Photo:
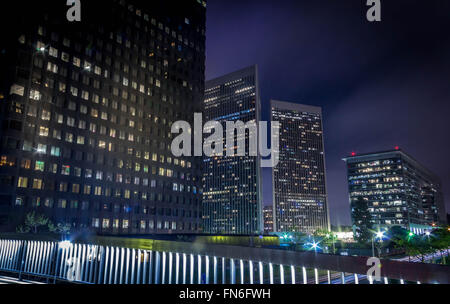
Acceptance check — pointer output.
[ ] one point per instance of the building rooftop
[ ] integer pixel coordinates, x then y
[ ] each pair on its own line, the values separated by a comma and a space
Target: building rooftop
397, 151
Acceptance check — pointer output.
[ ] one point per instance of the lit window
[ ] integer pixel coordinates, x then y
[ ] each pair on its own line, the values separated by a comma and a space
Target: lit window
41, 149
43, 131
105, 223
39, 166
76, 61
95, 222
65, 170
37, 184
22, 182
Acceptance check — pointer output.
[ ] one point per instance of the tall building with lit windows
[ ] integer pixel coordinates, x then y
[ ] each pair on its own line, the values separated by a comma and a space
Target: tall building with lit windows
300, 202
398, 189
231, 185
268, 219
86, 110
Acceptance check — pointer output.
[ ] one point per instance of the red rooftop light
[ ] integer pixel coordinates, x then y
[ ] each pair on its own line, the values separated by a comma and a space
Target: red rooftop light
397, 148
353, 153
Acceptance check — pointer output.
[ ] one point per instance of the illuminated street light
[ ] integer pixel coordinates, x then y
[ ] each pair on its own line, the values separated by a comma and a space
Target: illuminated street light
380, 235
314, 246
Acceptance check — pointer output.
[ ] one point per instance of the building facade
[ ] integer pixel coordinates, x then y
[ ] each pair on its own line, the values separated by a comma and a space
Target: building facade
398, 189
268, 219
231, 185
86, 112
299, 181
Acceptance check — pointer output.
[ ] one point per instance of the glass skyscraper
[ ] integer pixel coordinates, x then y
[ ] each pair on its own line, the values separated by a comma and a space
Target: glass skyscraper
86, 111
398, 189
231, 185
299, 181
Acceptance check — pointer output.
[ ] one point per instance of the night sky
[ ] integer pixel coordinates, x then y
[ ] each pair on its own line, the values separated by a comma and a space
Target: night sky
381, 85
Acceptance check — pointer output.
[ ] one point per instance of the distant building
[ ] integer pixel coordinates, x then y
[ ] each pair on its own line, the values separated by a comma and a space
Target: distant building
299, 180
268, 219
231, 185
398, 189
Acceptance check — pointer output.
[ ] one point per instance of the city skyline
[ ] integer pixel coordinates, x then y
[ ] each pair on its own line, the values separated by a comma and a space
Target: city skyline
380, 85
135, 147
393, 126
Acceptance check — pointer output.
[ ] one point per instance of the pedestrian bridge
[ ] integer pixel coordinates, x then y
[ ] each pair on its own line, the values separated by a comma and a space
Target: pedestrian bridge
106, 260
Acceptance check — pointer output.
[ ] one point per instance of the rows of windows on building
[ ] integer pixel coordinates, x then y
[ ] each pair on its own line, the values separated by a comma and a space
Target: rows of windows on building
299, 182
268, 219
231, 198
397, 189
97, 123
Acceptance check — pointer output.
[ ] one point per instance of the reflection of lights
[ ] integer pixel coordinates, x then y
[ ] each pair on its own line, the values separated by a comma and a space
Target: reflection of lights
65, 245
428, 233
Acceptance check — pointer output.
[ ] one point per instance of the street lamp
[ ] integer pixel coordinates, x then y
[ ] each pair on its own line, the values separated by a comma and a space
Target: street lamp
314, 246
378, 235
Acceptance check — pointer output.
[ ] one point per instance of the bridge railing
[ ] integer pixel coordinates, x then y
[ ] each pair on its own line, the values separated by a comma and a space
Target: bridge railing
160, 262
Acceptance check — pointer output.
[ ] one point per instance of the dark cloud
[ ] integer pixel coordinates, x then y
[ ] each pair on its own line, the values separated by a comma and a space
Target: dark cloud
380, 85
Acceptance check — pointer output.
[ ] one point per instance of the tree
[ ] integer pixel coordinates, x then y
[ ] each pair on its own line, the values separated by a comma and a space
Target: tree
59, 228
415, 245
33, 222
362, 220
440, 241
329, 239
23, 229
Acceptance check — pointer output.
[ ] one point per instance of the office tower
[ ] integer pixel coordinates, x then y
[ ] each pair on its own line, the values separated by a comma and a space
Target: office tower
231, 185
299, 181
268, 219
86, 113
399, 191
